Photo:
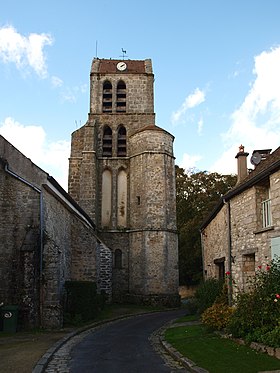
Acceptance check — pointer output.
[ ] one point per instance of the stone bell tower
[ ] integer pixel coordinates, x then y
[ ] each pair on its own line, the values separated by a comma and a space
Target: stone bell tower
122, 173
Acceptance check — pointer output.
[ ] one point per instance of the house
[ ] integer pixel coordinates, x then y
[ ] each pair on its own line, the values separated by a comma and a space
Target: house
242, 234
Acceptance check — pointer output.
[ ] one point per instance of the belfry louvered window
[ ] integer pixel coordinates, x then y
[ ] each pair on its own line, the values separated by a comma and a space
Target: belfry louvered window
121, 97
107, 142
107, 97
122, 142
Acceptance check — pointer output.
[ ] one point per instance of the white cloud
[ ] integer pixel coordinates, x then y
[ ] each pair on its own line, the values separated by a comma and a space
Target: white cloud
31, 140
24, 51
56, 81
256, 123
189, 161
200, 126
71, 94
194, 99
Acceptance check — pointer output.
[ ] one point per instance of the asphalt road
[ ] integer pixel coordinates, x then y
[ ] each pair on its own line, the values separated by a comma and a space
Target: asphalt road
123, 347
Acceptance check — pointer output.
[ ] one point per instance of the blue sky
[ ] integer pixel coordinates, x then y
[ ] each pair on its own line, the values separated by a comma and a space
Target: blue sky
216, 66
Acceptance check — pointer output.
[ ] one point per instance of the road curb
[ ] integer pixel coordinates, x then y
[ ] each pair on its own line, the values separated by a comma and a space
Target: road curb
187, 363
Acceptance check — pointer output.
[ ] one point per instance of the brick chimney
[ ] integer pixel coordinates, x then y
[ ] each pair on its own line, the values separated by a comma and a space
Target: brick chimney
242, 170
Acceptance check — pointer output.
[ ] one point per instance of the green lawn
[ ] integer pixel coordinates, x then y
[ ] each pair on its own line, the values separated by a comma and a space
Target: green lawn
216, 354
187, 318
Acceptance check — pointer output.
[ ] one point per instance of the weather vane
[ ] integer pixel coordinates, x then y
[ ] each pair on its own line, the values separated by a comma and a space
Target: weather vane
123, 54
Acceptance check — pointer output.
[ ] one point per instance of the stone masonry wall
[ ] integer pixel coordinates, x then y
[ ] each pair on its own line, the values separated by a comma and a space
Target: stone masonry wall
215, 243
153, 245
71, 252
68, 246
139, 91
19, 247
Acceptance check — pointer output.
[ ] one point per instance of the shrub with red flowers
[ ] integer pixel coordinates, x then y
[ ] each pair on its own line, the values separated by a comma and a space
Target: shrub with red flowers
257, 314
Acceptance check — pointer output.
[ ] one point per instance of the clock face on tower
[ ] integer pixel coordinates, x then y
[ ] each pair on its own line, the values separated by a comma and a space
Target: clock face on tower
121, 66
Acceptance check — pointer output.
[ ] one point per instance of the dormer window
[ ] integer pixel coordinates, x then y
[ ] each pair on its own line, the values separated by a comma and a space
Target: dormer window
122, 142
107, 97
121, 97
107, 142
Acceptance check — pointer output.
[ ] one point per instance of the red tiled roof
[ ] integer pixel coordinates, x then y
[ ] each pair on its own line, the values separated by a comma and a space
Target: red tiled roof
110, 66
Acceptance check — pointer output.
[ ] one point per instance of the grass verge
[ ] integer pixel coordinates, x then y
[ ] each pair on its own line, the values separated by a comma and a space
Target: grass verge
216, 354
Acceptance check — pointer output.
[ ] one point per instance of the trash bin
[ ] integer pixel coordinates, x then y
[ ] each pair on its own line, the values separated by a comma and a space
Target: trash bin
9, 317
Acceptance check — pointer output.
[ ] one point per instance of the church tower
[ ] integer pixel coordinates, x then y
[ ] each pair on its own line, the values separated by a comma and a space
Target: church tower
122, 173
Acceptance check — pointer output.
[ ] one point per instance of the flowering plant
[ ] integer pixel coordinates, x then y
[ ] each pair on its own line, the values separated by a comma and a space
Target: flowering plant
258, 312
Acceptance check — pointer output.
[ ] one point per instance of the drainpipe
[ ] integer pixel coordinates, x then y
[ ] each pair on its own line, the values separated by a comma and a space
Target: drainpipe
202, 251
229, 252
12, 173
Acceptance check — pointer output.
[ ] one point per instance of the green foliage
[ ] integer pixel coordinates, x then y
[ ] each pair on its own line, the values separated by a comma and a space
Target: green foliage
257, 314
197, 193
272, 338
82, 303
207, 293
265, 336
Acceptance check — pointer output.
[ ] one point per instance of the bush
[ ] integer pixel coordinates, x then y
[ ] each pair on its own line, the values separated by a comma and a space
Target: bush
265, 336
207, 292
82, 303
217, 316
257, 313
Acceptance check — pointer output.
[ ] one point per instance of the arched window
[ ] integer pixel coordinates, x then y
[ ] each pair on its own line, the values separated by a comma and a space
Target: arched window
122, 142
107, 142
121, 97
106, 209
107, 97
122, 199
118, 259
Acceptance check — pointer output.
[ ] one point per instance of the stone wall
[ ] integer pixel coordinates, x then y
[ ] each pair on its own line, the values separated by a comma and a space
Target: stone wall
46, 239
139, 88
215, 243
19, 246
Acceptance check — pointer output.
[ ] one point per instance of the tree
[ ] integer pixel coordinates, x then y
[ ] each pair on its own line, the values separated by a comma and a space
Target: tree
197, 193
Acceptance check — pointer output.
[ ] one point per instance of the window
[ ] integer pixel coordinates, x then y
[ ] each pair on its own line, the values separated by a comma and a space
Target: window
118, 259
121, 97
122, 199
106, 208
220, 268
266, 213
121, 142
263, 211
275, 248
107, 142
107, 97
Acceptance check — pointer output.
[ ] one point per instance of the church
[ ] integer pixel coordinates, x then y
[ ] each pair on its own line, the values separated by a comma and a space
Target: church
122, 173
115, 227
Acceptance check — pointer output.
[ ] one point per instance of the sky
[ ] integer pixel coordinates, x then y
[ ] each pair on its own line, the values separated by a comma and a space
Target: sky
216, 65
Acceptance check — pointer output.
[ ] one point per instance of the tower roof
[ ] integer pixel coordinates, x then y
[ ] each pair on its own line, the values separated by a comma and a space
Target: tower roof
108, 66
